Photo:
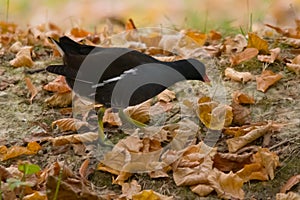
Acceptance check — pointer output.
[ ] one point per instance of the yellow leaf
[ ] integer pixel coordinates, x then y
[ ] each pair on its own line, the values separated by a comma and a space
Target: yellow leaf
198, 37
258, 43
146, 195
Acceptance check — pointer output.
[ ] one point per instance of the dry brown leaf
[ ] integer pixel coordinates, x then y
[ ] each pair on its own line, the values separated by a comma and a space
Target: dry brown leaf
241, 114
294, 180
258, 43
238, 76
111, 118
295, 65
236, 143
15, 47
245, 55
166, 58
227, 186
227, 162
270, 58
59, 99
266, 80
213, 115
288, 32
288, 196
23, 57
83, 170
33, 90
202, 189
15, 151
122, 177
236, 44
166, 96
129, 189
150, 195
242, 98
36, 195
74, 139
69, 124
194, 165
105, 168
58, 85
262, 167
214, 35
139, 112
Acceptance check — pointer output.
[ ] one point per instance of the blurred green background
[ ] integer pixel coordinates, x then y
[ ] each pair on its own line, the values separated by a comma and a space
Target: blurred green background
198, 14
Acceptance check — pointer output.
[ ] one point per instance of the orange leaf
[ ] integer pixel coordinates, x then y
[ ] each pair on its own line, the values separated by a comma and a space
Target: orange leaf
74, 139
258, 43
31, 88
60, 99
130, 25
58, 85
139, 112
245, 55
23, 58
198, 37
15, 151
78, 32
111, 118
267, 79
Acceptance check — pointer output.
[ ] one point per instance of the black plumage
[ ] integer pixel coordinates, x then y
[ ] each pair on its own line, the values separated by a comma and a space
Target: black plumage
120, 77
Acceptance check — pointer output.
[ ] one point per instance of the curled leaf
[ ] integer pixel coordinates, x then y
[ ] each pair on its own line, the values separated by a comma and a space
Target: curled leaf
238, 76
58, 85
74, 139
33, 90
59, 99
270, 58
69, 124
242, 98
23, 58
139, 112
266, 80
294, 180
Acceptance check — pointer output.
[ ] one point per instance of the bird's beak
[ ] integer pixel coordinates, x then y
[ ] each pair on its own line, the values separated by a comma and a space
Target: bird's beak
206, 79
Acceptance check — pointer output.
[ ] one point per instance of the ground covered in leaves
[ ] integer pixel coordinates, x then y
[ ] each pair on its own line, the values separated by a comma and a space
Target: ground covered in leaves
249, 115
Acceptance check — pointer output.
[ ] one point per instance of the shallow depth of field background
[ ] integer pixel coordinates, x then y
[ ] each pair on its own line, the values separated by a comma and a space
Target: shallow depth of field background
203, 14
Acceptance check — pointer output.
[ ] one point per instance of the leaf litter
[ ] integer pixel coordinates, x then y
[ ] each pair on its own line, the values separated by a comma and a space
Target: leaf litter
237, 158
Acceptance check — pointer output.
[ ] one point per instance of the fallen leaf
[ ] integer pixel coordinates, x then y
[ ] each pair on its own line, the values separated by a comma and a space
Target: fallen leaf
33, 90
150, 195
214, 35
83, 170
236, 143
245, 55
15, 151
58, 85
23, 57
79, 32
69, 124
270, 58
241, 114
213, 115
294, 180
288, 196
166, 96
290, 32
266, 80
295, 65
111, 118
238, 76
59, 99
227, 162
227, 186
236, 44
195, 36
262, 167
258, 43
202, 189
15, 47
130, 189
74, 139
36, 196
242, 98
139, 112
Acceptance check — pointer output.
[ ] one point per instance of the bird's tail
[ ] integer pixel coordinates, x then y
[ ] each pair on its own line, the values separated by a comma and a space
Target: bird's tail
57, 69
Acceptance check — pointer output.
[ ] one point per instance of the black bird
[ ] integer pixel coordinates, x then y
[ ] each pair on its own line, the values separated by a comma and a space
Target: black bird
120, 77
